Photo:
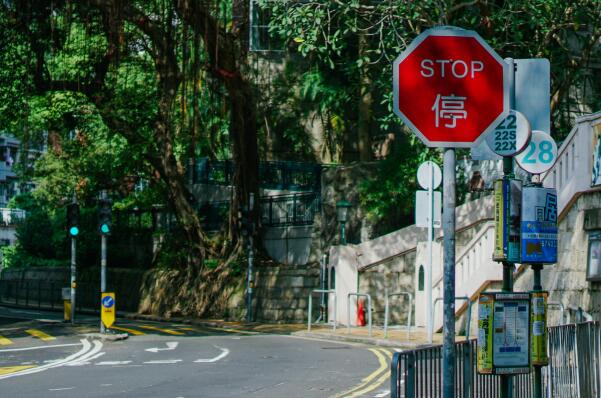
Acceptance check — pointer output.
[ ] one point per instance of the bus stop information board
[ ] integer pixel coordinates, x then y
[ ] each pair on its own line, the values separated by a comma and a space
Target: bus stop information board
504, 333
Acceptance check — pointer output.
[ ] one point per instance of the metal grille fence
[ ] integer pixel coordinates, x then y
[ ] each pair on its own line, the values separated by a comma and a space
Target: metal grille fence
574, 368
575, 360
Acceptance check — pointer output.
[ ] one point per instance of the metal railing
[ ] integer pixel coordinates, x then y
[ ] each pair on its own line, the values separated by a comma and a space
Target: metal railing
281, 175
9, 217
46, 294
387, 311
574, 368
295, 209
328, 292
418, 373
562, 312
469, 312
575, 360
348, 310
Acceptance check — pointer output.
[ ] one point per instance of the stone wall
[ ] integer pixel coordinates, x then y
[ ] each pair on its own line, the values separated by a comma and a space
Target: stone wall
392, 276
281, 293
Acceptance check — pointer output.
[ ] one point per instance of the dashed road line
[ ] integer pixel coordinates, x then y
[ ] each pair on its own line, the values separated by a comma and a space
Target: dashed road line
112, 363
163, 362
168, 331
5, 341
40, 335
128, 330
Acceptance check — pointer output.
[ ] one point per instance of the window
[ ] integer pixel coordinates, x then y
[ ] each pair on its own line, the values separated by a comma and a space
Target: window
593, 272
260, 38
420, 279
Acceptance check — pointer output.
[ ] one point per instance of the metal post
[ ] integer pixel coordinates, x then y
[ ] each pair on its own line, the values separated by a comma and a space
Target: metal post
102, 272
429, 265
506, 380
448, 225
538, 376
73, 276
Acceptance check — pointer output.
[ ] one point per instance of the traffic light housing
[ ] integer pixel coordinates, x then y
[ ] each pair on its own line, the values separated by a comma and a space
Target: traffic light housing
73, 219
104, 216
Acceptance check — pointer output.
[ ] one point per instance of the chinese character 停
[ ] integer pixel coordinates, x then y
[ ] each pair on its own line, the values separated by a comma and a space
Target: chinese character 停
449, 107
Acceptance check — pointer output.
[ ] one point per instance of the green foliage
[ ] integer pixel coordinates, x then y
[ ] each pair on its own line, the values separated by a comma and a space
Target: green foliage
389, 197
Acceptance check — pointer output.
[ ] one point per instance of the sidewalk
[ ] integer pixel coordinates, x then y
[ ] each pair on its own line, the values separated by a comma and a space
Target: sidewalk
397, 338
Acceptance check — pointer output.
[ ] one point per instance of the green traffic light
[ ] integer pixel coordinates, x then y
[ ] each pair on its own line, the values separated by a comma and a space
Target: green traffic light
74, 231
104, 228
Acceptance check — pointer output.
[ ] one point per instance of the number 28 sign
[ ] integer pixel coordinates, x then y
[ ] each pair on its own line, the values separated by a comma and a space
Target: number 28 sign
540, 154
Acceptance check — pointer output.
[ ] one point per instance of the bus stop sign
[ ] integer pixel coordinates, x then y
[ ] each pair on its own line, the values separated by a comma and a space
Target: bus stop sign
450, 87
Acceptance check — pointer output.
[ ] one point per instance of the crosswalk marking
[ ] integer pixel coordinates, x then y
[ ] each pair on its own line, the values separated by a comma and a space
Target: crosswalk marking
168, 331
128, 330
40, 335
4, 341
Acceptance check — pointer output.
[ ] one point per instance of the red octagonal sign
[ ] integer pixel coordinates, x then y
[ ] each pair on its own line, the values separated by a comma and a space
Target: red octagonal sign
450, 87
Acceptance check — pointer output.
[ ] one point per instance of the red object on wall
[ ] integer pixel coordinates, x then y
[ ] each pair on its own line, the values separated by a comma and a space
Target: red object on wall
360, 313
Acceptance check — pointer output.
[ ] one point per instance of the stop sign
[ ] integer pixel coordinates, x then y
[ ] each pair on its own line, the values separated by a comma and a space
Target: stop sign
450, 87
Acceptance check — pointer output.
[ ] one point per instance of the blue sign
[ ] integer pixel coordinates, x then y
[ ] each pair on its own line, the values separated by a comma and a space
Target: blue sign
539, 225
108, 301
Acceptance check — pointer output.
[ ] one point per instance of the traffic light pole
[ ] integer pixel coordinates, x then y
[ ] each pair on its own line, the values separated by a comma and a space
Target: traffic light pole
102, 272
73, 276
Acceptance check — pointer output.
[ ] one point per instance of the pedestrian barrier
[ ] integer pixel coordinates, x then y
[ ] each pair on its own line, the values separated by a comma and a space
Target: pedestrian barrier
575, 360
469, 312
348, 310
387, 311
574, 368
311, 305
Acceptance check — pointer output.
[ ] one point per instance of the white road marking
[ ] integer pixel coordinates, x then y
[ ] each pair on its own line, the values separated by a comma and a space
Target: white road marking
382, 394
224, 353
163, 362
39, 347
105, 385
171, 345
112, 363
92, 354
61, 389
74, 357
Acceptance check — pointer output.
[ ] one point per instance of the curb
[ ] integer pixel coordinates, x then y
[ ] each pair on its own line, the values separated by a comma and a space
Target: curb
363, 340
188, 321
107, 336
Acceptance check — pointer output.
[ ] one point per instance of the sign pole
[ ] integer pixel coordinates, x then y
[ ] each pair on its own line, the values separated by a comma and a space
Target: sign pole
448, 225
506, 380
102, 272
429, 265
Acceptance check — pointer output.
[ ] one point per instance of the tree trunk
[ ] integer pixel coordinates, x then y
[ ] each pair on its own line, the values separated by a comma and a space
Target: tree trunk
365, 105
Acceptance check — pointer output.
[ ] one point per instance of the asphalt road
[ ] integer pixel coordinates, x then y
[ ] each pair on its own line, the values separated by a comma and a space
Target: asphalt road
40, 357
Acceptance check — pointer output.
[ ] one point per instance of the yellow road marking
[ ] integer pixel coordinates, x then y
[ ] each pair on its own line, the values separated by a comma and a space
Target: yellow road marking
40, 335
232, 330
168, 331
4, 341
369, 388
4, 370
130, 331
365, 382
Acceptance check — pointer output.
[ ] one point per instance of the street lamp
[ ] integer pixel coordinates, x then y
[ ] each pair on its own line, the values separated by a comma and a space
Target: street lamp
342, 215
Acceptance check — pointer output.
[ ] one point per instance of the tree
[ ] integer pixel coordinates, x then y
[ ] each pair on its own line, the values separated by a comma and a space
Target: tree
93, 48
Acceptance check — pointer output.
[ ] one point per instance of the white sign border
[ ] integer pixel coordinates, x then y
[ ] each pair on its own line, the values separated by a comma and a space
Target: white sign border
449, 31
